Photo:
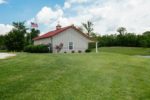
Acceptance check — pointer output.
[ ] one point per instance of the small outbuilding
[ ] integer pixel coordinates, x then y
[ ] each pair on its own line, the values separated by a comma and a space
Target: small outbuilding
64, 40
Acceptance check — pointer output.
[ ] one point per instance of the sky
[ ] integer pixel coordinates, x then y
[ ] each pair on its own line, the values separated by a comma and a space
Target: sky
106, 15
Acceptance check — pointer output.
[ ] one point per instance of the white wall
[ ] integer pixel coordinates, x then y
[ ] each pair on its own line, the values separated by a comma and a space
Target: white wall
42, 41
80, 42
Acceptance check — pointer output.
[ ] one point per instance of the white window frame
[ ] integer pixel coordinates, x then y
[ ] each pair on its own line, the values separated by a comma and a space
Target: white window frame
72, 46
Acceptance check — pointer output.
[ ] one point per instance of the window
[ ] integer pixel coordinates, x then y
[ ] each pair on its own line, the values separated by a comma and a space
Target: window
70, 45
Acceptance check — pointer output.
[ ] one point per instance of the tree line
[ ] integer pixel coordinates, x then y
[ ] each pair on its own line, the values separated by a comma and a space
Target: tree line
21, 36
125, 39
18, 37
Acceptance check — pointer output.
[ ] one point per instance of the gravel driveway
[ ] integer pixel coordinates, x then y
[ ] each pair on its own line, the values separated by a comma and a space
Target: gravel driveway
6, 55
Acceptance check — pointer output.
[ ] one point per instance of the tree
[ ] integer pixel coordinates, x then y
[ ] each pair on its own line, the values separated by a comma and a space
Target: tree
94, 35
89, 27
130, 40
121, 30
147, 33
145, 39
2, 45
108, 40
15, 39
31, 35
125, 39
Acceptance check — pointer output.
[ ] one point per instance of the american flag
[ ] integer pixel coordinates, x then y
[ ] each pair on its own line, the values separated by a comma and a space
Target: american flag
34, 25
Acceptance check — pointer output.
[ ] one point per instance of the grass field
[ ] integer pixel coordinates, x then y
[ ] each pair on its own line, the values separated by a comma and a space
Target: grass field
3, 51
102, 76
126, 50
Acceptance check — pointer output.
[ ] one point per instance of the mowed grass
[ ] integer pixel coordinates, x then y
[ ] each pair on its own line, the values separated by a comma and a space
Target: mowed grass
3, 51
102, 76
126, 50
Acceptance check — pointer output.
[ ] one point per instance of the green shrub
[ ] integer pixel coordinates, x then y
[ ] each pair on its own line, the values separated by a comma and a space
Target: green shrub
36, 49
79, 51
2, 48
88, 50
92, 45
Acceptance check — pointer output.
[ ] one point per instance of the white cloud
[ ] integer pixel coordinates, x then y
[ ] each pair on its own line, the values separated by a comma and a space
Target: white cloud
47, 15
2, 1
4, 29
67, 5
78, 1
107, 15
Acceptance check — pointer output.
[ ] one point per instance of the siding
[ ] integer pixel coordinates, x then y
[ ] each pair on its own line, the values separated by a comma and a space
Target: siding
43, 41
79, 41
70, 35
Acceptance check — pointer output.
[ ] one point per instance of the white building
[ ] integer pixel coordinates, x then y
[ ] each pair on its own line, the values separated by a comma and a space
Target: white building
67, 39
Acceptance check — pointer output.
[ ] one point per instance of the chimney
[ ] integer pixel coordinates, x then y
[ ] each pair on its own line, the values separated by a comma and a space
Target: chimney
58, 27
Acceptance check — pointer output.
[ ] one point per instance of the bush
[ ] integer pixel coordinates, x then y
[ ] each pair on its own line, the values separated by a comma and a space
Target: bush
88, 50
92, 45
2, 48
36, 49
79, 51
73, 51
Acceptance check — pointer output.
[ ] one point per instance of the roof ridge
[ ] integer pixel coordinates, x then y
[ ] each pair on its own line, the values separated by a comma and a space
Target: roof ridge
57, 31
51, 33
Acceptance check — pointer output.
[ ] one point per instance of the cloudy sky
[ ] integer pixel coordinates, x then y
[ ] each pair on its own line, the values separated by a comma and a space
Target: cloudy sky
107, 15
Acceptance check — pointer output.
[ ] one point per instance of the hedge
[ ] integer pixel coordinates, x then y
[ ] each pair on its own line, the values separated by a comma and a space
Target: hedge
92, 45
36, 49
88, 50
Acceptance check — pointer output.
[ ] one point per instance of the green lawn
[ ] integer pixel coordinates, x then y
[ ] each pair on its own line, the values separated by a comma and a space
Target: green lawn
3, 51
102, 76
126, 50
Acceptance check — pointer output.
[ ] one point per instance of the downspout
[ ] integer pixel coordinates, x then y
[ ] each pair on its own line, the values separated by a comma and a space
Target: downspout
52, 43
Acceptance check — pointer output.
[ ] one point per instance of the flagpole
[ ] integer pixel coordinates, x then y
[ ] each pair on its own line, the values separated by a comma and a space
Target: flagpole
33, 26
30, 33
30, 36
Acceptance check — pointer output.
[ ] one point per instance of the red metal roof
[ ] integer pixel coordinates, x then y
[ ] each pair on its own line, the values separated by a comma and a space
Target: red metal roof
57, 31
